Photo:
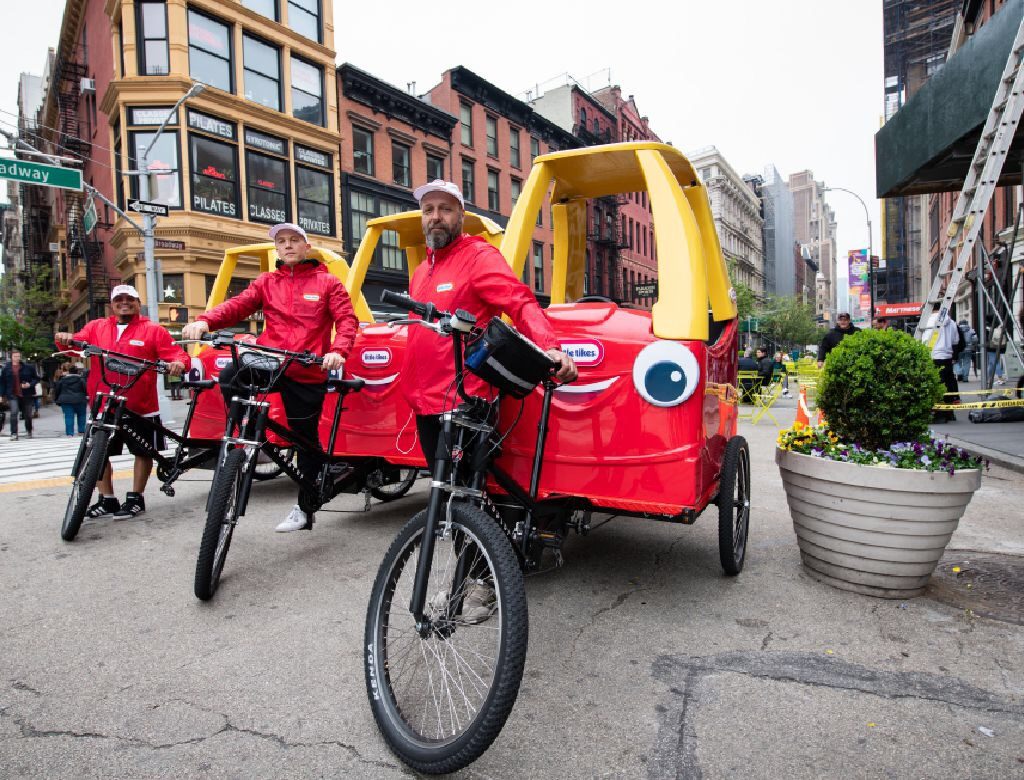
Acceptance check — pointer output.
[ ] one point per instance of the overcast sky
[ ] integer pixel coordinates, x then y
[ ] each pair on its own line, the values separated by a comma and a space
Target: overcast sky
794, 83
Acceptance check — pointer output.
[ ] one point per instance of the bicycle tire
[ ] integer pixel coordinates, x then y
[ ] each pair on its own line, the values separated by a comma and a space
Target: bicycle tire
734, 506
394, 648
395, 490
220, 524
94, 460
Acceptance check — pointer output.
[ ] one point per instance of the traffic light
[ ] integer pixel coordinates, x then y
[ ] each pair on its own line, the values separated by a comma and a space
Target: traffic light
178, 315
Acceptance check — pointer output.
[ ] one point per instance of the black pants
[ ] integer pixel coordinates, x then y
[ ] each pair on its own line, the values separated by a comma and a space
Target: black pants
303, 403
948, 377
24, 405
430, 428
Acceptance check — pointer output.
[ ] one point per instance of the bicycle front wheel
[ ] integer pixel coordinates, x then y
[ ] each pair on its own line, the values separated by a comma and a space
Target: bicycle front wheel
93, 461
441, 696
225, 495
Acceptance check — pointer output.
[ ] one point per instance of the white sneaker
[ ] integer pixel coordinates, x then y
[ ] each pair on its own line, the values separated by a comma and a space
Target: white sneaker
296, 521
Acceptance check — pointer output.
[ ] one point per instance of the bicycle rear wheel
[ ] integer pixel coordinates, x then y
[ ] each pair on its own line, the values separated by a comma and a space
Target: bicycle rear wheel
395, 490
93, 461
225, 495
441, 699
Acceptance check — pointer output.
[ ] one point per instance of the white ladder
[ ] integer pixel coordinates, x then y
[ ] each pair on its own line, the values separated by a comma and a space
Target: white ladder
976, 195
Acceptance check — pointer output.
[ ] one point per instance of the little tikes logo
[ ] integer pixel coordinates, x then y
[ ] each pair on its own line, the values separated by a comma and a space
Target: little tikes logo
376, 357
137, 342
222, 362
584, 353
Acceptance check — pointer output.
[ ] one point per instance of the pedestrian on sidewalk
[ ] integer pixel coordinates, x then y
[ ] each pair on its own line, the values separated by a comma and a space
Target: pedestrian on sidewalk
18, 382
942, 356
70, 395
844, 327
968, 345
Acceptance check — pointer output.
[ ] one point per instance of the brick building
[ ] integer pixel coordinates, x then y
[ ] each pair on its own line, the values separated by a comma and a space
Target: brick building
257, 146
814, 226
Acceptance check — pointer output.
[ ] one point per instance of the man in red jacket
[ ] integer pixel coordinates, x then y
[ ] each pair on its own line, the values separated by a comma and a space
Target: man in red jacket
302, 303
462, 272
128, 332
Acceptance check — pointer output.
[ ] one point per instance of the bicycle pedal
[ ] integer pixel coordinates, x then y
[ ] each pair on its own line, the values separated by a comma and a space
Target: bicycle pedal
167, 490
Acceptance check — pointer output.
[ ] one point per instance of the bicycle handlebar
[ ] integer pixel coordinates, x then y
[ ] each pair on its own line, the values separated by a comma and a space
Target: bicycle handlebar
220, 339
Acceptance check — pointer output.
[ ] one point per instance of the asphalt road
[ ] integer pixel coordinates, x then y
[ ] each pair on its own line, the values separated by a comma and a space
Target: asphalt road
644, 660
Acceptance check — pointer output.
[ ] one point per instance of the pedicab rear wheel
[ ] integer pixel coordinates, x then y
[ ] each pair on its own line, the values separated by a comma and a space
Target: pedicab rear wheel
734, 506
395, 490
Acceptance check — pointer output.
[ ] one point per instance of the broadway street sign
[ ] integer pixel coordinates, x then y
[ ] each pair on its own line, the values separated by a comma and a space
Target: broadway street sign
145, 207
43, 175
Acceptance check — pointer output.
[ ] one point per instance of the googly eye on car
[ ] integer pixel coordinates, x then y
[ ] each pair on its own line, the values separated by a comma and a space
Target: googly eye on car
665, 373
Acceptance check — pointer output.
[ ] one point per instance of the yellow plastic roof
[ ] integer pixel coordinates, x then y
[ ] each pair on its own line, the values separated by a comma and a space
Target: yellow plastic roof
597, 171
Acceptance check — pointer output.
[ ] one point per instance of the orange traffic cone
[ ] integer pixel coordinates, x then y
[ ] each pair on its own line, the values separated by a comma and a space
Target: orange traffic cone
801, 408
821, 418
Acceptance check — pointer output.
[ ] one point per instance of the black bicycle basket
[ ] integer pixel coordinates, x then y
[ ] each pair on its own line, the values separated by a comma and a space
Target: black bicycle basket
506, 359
259, 361
123, 367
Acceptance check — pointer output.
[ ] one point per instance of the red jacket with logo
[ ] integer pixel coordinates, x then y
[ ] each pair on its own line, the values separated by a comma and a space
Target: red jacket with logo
301, 305
467, 274
142, 338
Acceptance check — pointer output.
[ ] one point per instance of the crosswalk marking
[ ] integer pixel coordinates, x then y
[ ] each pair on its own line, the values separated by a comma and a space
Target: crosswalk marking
40, 459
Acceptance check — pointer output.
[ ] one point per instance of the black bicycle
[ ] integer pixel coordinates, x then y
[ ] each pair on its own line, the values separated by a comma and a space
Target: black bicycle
447, 623
109, 415
245, 443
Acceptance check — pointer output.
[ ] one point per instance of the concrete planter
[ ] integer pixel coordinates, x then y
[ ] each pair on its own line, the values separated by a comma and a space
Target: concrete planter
876, 531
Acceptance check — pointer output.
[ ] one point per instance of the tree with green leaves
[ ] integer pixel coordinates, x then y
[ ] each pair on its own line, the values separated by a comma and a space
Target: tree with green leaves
788, 321
746, 300
27, 316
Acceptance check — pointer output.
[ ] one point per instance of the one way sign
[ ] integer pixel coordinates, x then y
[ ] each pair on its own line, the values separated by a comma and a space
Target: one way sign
145, 207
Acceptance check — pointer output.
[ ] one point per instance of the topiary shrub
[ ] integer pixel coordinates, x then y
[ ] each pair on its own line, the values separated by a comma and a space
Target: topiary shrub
879, 387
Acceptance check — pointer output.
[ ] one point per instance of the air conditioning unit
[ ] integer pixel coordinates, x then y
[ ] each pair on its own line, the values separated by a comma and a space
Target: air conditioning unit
87, 87
54, 246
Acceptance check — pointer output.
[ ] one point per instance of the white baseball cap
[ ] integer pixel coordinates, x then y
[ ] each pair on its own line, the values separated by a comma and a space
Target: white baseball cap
439, 185
124, 289
288, 226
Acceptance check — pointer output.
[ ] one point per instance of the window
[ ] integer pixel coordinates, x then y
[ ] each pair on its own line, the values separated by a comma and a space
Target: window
362, 151
118, 169
266, 7
435, 167
388, 255
400, 163
492, 191
173, 288
492, 136
214, 177
538, 267
597, 127
304, 18
534, 148
267, 183
151, 21
468, 185
583, 117
314, 188
307, 92
466, 119
236, 286
209, 51
513, 145
516, 190
163, 156
262, 69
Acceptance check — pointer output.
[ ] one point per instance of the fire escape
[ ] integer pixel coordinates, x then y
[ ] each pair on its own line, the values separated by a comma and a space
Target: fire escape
607, 237
82, 249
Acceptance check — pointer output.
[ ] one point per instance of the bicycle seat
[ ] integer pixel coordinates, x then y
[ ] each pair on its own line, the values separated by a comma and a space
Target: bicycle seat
200, 384
345, 385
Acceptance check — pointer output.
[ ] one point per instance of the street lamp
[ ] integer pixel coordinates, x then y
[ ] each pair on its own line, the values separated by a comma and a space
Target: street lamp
148, 220
871, 263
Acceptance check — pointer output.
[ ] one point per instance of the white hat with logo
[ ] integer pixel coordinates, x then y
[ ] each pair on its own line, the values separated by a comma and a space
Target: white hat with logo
439, 185
124, 289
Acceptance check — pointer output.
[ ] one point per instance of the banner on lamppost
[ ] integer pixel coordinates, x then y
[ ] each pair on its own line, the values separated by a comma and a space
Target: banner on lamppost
859, 279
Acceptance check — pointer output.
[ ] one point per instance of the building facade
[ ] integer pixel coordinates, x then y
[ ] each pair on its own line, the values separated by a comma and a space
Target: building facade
258, 145
814, 226
638, 255
782, 275
737, 214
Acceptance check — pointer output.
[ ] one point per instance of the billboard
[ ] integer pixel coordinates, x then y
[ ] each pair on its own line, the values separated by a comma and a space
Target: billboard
859, 275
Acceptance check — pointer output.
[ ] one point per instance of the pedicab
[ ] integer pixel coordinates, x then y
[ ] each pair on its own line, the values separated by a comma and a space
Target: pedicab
364, 449
648, 430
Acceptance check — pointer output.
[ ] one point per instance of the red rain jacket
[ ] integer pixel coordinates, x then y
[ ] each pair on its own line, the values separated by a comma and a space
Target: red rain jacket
467, 274
142, 338
301, 305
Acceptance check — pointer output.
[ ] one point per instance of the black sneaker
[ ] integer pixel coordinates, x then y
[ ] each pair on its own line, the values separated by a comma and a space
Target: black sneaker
134, 504
103, 507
